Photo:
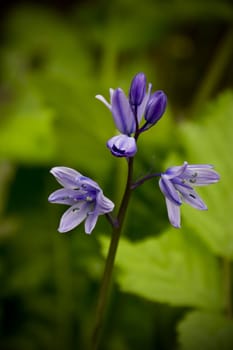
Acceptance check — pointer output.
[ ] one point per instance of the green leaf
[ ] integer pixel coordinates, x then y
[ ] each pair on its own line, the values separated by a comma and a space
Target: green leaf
175, 268
205, 331
27, 135
211, 141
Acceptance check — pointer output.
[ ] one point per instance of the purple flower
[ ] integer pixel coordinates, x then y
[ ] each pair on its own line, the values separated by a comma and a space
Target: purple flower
125, 115
177, 186
122, 146
121, 111
128, 112
83, 195
121, 108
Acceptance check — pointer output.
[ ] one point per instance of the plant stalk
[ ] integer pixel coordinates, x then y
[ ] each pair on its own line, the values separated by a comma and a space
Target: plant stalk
107, 275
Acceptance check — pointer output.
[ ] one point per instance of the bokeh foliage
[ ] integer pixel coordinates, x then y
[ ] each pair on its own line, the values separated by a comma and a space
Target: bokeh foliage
171, 286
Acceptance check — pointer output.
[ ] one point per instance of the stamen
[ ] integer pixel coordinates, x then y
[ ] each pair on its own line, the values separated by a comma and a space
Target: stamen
75, 209
193, 179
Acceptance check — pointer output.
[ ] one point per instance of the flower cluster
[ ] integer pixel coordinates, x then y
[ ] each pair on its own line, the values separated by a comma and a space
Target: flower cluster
132, 115
128, 113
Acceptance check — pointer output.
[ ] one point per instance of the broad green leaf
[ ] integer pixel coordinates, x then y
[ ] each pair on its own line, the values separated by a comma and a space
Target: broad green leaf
211, 141
173, 268
205, 331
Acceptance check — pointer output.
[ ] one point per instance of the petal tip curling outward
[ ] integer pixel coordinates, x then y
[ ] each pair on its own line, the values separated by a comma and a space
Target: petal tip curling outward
67, 177
122, 146
104, 101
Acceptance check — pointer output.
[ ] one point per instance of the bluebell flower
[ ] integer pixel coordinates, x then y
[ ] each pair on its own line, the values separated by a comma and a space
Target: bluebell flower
122, 146
177, 184
121, 110
83, 195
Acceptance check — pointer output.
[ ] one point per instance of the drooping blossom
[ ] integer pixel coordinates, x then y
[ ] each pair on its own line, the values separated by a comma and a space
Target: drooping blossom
83, 195
177, 184
124, 145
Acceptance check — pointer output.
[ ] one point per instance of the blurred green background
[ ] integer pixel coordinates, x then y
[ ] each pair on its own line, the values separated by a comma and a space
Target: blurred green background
173, 288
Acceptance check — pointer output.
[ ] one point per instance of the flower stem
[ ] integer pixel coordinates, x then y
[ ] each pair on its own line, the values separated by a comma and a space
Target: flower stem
143, 179
107, 276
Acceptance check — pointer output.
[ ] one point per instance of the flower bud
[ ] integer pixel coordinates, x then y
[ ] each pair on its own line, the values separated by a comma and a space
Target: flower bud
155, 108
137, 89
122, 146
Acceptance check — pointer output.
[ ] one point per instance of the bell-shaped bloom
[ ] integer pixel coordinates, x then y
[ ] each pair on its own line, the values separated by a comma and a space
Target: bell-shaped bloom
83, 195
121, 111
155, 108
122, 146
177, 186
137, 89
